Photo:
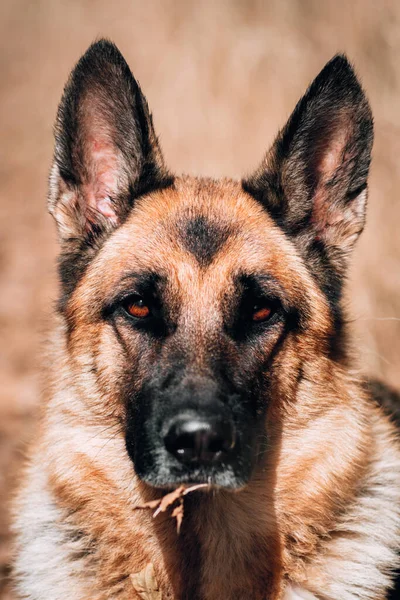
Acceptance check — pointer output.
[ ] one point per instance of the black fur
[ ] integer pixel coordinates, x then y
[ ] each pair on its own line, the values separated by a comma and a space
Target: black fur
203, 238
386, 397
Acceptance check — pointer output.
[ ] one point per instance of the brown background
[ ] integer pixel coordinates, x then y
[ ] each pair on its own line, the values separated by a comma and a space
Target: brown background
220, 77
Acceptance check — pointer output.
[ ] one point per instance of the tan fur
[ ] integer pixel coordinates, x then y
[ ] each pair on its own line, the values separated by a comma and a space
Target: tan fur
320, 519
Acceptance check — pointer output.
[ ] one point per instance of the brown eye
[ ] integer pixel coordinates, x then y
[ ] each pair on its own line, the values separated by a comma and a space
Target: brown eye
137, 308
261, 313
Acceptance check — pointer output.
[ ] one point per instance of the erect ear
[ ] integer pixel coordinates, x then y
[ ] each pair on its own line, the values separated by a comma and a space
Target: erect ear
106, 151
313, 181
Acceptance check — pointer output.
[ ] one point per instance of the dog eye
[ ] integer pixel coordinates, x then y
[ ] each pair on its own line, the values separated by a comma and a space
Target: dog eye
136, 307
261, 312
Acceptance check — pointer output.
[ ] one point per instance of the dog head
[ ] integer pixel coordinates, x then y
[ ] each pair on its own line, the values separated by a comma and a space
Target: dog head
195, 308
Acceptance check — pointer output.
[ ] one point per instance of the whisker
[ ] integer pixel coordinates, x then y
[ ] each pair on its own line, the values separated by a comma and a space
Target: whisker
378, 319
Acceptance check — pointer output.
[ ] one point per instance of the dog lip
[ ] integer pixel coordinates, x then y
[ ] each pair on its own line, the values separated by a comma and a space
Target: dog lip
213, 482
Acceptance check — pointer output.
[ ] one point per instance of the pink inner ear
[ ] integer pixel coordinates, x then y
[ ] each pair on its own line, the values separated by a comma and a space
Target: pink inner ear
333, 157
103, 177
332, 152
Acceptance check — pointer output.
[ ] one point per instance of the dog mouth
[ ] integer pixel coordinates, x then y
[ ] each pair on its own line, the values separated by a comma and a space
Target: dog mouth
194, 445
195, 453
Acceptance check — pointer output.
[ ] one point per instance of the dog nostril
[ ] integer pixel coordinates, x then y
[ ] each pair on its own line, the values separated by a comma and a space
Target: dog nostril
200, 440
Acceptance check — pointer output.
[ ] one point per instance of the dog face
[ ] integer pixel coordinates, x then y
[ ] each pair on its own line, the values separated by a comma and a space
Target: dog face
193, 308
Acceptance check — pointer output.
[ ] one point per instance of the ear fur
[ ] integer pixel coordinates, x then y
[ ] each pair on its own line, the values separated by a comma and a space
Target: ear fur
106, 155
313, 181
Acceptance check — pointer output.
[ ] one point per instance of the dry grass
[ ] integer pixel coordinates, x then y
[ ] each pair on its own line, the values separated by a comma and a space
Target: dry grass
220, 78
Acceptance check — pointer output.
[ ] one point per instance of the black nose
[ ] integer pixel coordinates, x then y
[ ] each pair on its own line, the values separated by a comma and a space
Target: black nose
193, 439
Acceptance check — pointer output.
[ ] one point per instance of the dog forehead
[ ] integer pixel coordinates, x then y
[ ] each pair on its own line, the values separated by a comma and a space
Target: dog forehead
203, 237
196, 228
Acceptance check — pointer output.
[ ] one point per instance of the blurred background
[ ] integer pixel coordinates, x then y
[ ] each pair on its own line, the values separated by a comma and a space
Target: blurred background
220, 77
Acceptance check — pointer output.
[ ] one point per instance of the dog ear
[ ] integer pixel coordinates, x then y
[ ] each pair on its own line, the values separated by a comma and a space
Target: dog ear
313, 181
106, 151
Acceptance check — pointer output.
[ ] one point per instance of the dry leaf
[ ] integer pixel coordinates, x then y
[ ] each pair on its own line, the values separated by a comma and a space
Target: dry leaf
145, 583
168, 500
150, 504
177, 514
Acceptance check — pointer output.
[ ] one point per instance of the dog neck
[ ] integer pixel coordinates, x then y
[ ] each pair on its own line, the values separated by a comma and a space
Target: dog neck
228, 547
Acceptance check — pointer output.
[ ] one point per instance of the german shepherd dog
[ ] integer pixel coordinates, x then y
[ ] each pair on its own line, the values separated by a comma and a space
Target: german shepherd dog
201, 340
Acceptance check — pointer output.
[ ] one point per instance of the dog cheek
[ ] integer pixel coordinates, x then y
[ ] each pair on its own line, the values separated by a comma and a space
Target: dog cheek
283, 376
102, 368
